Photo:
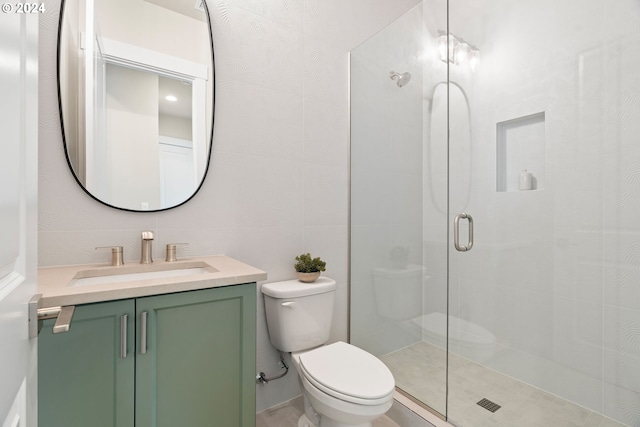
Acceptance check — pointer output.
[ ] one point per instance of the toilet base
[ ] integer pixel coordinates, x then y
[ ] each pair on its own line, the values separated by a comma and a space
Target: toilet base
304, 422
322, 410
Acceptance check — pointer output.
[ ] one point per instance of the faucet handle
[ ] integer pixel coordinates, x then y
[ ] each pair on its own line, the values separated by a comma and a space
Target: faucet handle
147, 235
116, 254
171, 251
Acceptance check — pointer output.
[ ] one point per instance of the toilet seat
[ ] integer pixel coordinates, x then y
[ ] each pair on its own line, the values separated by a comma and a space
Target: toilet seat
348, 373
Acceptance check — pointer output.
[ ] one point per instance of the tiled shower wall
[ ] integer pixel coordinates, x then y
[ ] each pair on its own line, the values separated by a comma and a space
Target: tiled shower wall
278, 181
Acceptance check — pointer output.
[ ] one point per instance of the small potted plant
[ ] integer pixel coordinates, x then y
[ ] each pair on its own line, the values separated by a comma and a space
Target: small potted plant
308, 269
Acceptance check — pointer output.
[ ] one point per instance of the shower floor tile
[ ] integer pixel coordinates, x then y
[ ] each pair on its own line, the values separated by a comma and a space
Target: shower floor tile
419, 370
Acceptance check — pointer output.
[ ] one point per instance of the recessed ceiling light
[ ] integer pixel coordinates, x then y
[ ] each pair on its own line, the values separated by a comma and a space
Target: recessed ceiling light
171, 98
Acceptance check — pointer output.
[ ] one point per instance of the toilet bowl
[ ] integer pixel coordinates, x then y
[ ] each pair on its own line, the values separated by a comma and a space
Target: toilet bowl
461, 336
342, 385
345, 385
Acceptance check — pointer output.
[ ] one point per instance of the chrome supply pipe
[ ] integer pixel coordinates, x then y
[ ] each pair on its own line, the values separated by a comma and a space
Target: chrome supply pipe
262, 378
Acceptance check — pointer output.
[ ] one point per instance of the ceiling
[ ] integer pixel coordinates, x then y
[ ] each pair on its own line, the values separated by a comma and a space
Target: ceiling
179, 89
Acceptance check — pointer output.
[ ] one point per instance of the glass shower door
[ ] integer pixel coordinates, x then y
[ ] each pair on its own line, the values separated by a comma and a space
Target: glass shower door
510, 129
398, 254
544, 317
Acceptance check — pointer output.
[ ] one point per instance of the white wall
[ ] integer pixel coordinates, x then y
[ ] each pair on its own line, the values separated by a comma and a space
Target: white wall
119, 20
174, 126
278, 182
132, 152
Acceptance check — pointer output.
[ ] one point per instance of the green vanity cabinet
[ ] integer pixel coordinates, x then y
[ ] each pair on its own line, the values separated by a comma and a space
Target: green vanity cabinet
194, 364
199, 365
82, 380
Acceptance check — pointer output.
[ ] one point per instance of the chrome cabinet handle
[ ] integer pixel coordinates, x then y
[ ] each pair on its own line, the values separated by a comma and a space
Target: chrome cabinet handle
456, 232
143, 332
123, 336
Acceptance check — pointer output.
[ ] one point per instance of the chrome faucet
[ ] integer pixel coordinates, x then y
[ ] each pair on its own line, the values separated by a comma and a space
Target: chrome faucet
147, 241
116, 255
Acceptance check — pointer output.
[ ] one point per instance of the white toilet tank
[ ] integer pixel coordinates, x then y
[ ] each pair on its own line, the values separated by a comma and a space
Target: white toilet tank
399, 291
299, 314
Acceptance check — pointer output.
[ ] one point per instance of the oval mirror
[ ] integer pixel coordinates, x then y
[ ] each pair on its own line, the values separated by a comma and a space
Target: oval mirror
136, 95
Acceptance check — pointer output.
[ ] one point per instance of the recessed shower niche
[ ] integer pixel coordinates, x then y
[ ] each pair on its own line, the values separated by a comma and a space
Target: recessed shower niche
520, 153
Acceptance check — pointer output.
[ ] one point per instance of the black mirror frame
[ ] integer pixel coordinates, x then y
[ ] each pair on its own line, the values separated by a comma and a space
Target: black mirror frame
64, 139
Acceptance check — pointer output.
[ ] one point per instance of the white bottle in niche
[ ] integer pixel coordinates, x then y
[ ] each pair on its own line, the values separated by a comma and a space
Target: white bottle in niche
525, 180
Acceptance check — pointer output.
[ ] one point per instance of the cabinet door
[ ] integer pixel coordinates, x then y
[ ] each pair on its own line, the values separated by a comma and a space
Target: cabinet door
82, 378
198, 368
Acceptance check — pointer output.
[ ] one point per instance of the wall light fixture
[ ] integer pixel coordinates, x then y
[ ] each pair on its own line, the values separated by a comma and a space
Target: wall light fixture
457, 51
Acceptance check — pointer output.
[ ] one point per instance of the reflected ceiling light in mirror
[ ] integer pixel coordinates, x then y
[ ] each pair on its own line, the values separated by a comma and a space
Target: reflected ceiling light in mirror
457, 51
171, 98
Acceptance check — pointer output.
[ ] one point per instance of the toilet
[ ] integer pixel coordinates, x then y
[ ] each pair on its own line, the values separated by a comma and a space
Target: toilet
343, 385
398, 291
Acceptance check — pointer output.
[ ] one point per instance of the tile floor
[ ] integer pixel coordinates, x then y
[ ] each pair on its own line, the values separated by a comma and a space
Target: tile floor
521, 405
287, 414
419, 370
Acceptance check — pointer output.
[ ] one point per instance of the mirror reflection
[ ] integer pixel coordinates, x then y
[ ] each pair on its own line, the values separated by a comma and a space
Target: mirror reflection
136, 98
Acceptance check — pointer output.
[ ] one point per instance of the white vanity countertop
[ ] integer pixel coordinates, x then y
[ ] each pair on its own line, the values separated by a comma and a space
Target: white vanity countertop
53, 281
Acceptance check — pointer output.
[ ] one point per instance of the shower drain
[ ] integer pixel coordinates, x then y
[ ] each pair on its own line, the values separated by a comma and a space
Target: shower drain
489, 405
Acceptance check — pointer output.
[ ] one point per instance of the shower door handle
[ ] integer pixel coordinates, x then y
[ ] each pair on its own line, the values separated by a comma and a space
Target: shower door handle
456, 232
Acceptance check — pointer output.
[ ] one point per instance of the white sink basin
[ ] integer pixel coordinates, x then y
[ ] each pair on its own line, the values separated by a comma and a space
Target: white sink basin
139, 272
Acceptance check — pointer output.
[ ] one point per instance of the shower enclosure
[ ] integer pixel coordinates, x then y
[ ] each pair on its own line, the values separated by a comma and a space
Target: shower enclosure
495, 209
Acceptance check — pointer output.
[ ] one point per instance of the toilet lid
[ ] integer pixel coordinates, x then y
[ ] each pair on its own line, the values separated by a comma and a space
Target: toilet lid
347, 371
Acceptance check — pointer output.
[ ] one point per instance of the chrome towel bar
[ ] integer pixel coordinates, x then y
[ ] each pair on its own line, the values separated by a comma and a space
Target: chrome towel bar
62, 314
